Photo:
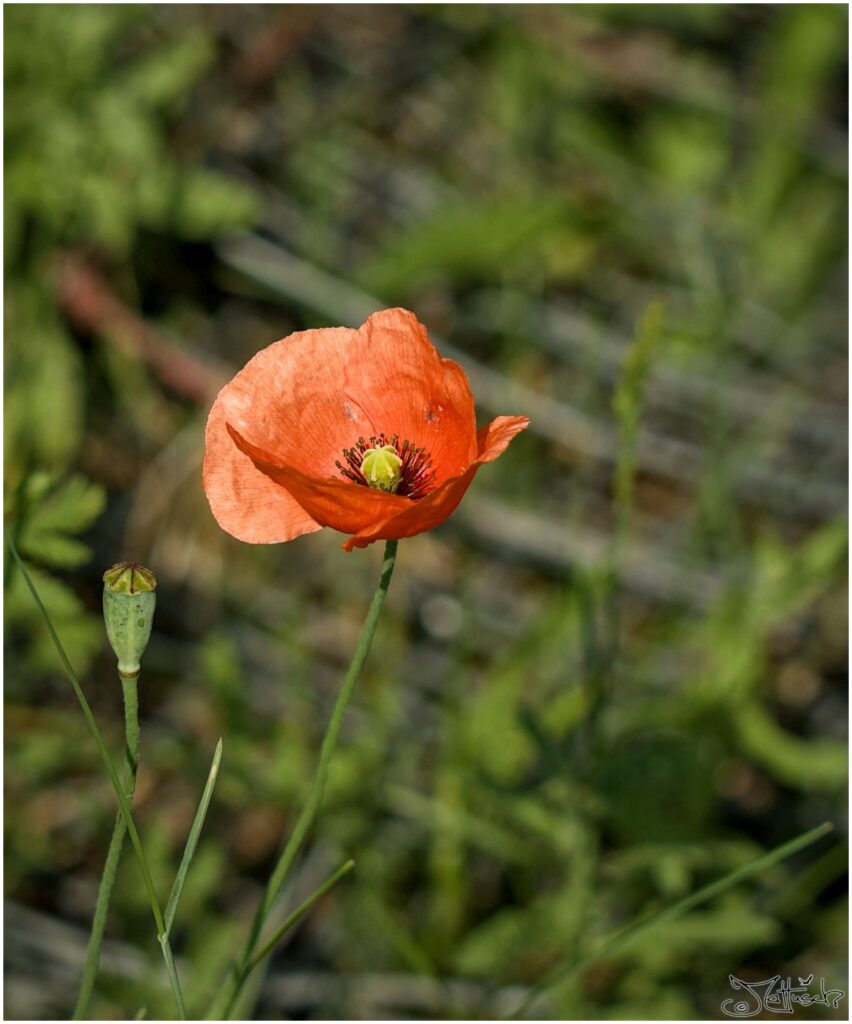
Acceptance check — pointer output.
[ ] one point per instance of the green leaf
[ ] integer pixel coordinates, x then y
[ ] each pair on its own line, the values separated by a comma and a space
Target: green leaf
44, 386
500, 941
735, 925
803, 764
464, 240
51, 511
207, 203
625, 937
164, 75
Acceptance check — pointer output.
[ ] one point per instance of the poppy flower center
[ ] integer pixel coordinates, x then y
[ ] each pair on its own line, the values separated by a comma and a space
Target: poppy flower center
382, 468
388, 465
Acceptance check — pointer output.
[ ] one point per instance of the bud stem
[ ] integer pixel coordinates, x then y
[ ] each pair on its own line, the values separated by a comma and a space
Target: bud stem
123, 803
131, 733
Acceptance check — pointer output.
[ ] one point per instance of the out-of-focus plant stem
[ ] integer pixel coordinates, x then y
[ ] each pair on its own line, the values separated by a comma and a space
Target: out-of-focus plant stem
233, 985
131, 731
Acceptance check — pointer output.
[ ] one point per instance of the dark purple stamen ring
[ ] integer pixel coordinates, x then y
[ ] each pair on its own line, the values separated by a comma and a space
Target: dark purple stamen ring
418, 477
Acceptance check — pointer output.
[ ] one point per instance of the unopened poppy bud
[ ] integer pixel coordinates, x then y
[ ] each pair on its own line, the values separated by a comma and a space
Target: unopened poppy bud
129, 601
382, 468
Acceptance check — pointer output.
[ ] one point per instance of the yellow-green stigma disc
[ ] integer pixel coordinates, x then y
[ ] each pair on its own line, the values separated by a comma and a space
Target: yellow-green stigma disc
382, 468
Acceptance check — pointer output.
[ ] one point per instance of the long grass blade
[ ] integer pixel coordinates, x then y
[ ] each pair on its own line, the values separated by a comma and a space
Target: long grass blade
172, 972
298, 914
229, 993
192, 840
618, 940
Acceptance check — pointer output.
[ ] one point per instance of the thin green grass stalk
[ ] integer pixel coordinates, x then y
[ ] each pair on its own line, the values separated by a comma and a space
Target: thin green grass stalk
192, 839
298, 914
114, 779
627, 404
234, 982
131, 731
616, 942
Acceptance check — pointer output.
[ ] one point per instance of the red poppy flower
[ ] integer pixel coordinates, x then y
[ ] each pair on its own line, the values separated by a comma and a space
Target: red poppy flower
369, 432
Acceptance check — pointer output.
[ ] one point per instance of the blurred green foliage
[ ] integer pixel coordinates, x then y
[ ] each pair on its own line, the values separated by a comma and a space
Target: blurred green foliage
618, 671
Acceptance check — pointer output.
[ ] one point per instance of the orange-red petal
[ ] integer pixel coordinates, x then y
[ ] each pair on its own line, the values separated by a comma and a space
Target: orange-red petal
291, 399
427, 513
396, 376
244, 501
344, 506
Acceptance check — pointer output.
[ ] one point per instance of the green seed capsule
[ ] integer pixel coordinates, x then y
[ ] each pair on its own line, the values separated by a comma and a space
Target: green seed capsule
129, 601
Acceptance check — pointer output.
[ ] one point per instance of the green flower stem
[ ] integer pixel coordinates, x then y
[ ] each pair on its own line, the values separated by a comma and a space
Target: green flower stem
238, 976
123, 802
131, 732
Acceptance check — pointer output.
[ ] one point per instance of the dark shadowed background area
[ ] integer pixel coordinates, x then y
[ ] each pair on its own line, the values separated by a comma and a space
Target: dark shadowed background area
585, 700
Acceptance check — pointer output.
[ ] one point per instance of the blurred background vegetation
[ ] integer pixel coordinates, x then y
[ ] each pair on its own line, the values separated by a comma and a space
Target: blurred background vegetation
617, 672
